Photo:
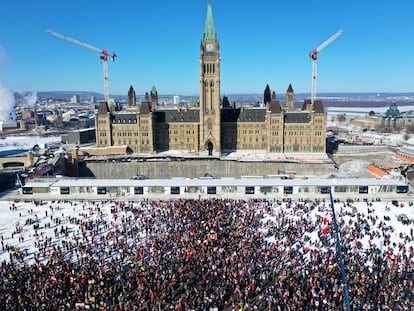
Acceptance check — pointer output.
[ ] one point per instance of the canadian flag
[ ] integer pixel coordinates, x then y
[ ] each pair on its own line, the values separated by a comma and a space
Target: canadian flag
325, 228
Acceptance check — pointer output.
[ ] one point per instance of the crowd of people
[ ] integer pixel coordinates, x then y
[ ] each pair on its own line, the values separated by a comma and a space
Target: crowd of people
205, 254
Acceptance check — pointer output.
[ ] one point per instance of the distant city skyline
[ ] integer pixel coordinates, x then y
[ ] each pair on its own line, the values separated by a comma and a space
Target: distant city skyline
157, 44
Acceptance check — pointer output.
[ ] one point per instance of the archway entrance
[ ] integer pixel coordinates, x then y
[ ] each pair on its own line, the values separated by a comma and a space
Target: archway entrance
210, 148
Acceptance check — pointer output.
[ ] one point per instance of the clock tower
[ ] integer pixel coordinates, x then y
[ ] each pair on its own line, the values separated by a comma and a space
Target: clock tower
210, 121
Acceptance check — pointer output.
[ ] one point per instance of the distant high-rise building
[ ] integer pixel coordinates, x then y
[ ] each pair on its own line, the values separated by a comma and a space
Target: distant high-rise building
74, 99
215, 125
93, 99
176, 100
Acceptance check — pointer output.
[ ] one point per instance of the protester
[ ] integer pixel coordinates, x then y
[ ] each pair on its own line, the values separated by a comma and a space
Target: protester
212, 254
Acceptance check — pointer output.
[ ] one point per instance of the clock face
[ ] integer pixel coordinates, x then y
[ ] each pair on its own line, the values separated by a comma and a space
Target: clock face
209, 47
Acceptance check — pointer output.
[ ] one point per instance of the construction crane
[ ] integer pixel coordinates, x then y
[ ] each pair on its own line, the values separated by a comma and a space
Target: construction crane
314, 57
104, 55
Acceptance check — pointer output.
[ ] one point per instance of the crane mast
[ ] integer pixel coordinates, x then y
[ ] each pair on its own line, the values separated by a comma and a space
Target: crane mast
314, 57
104, 55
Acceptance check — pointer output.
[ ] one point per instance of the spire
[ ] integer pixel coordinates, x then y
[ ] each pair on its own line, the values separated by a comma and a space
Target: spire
154, 98
132, 100
209, 31
267, 95
290, 98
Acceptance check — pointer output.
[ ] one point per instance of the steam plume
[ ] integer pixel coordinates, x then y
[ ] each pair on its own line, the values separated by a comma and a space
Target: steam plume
6, 104
6, 95
30, 99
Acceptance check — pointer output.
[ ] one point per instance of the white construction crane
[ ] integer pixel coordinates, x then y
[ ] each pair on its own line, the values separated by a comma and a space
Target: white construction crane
314, 57
104, 54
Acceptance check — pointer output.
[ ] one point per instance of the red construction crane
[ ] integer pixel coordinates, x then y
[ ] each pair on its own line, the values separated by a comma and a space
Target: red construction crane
314, 57
104, 55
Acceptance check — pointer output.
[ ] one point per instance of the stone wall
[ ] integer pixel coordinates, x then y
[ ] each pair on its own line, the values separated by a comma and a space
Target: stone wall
199, 168
361, 149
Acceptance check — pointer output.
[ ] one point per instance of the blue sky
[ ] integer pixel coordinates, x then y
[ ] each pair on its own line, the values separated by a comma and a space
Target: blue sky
157, 43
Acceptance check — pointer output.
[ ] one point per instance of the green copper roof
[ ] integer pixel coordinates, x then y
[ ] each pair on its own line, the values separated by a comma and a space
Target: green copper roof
393, 111
209, 31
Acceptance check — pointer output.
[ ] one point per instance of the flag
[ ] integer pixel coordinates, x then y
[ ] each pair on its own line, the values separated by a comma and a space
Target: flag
212, 236
325, 228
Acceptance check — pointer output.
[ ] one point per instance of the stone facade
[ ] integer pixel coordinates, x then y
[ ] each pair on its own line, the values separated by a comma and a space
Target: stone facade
215, 126
198, 168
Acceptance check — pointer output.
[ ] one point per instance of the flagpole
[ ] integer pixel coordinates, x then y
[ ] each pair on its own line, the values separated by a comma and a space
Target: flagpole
339, 249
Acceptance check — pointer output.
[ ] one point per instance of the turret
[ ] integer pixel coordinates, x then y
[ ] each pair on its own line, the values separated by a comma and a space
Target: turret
132, 99
290, 98
266, 96
154, 98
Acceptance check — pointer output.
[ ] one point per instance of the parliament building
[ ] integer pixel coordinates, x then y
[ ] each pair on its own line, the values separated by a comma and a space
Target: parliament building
216, 126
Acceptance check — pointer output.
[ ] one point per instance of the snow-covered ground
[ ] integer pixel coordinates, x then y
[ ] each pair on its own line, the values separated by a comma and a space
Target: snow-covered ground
19, 220
28, 141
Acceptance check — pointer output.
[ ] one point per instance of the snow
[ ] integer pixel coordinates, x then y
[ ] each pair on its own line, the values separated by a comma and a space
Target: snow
384, 213
352, 169
391, 139
52, 217
351, 111
29, 141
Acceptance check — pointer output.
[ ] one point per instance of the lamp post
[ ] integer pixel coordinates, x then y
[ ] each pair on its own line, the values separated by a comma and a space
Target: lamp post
339, 249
